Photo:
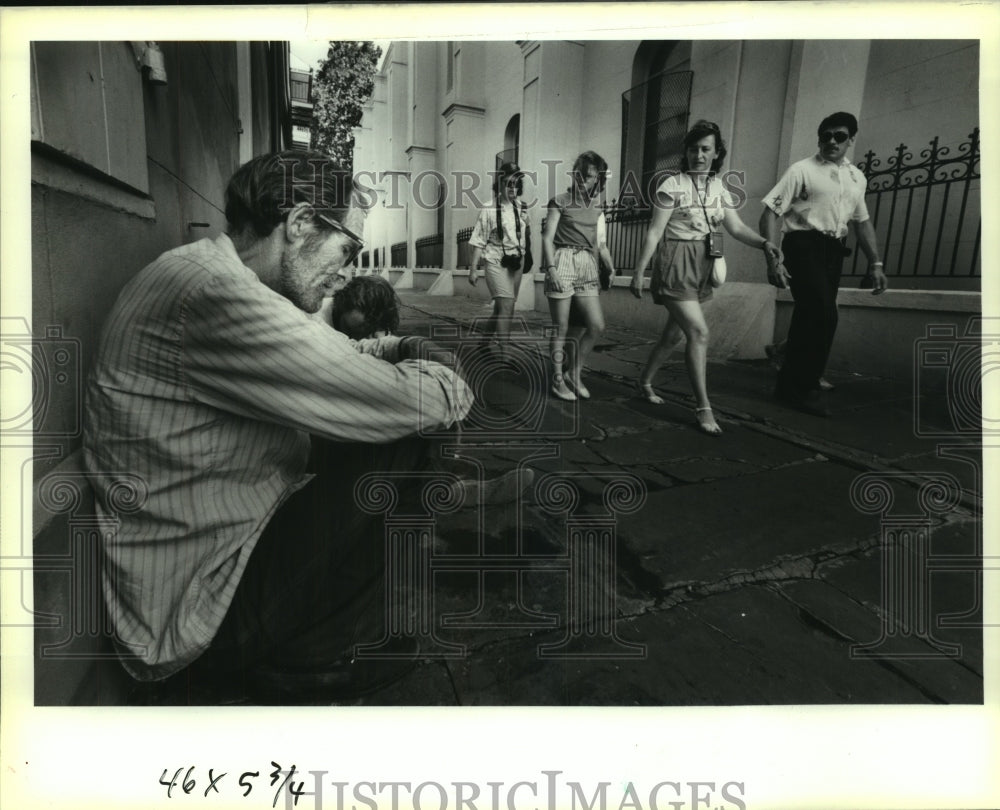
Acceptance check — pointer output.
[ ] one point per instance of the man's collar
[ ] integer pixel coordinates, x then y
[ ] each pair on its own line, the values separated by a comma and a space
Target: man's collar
843, 161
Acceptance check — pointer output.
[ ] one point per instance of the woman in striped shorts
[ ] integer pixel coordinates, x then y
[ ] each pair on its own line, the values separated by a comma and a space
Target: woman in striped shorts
574, 229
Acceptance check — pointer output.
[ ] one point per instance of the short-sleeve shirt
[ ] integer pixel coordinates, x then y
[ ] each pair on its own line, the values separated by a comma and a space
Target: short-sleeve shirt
578, 220
817, 195
484, 233
689, 204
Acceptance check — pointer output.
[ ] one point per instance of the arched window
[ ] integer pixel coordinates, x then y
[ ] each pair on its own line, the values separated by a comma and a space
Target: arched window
511, 142
655, 110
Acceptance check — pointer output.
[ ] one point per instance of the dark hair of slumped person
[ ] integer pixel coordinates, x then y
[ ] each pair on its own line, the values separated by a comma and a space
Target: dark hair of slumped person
374, 298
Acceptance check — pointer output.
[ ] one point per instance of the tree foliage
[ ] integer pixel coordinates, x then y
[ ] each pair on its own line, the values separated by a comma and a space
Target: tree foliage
343, 83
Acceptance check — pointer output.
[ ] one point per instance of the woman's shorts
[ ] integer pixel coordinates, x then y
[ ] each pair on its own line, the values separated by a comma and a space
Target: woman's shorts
574, 273
500, 280
682, 271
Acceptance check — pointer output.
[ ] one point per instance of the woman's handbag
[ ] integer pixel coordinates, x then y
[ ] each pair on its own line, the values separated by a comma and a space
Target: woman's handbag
718, 271
713, 246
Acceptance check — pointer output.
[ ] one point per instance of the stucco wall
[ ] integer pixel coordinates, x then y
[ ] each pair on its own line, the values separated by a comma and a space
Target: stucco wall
882, 335
607, 74
89, 236
908, 89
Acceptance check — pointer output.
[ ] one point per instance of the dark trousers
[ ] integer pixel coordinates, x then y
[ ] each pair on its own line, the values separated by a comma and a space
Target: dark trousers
814, 262
314, 581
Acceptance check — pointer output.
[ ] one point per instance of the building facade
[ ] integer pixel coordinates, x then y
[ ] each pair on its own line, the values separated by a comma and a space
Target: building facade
444, 113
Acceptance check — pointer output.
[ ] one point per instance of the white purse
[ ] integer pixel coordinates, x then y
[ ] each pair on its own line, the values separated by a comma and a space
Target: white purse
719, 271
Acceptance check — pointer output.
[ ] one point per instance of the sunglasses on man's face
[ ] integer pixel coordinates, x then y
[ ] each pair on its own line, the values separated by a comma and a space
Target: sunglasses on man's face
839, 137
357, 242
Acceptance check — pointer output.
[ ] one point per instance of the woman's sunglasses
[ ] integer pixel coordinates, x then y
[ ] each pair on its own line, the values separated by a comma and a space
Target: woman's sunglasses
839, 137
358, 242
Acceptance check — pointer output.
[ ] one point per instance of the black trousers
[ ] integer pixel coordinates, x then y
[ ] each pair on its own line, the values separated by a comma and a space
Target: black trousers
315, 578
814, 262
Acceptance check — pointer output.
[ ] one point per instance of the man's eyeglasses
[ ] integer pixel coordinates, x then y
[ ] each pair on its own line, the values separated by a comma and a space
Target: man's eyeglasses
358, 242
839, 137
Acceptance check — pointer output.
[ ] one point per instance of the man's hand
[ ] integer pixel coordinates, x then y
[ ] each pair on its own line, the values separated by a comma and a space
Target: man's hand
635, 286
879, 282
772, 254
414, 347
778, 276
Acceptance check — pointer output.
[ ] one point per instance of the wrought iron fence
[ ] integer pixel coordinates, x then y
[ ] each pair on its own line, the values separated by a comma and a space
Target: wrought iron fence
397, 254
430, 250
365, 259
464, 258
627, 226
926, 216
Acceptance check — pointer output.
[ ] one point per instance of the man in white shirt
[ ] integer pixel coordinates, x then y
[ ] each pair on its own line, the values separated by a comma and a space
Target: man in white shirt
209, 381
813, 204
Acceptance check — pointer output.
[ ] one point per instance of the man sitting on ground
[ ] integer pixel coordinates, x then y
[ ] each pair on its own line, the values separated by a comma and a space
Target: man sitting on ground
234, 563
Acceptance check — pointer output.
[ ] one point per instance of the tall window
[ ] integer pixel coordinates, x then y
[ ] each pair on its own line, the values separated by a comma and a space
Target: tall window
511, 142
655, 110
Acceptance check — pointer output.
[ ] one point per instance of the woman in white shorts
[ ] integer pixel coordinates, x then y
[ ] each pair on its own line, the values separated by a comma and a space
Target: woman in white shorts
574, 231
688, 207
501, 240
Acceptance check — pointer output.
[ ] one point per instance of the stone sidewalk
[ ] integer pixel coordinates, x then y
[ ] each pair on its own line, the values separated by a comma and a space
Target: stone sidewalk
650, 564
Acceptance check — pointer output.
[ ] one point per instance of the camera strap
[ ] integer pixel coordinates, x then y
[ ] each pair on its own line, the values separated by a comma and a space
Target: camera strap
517, 226
701, 200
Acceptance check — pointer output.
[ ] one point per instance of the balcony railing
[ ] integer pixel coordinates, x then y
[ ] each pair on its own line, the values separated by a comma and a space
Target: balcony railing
430, 251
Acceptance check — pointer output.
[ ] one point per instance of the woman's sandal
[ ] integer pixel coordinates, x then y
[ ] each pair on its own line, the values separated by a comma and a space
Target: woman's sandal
560, 390
578, 387
646, 389
707, 425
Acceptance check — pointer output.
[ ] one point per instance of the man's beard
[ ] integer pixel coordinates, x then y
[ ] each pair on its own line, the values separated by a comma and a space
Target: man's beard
291, 284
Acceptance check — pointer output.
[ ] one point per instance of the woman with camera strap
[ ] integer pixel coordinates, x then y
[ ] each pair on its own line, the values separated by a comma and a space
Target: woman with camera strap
502, 241
684, 241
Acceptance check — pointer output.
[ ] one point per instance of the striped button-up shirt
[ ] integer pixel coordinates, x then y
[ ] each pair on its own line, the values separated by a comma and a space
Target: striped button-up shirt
206, 386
